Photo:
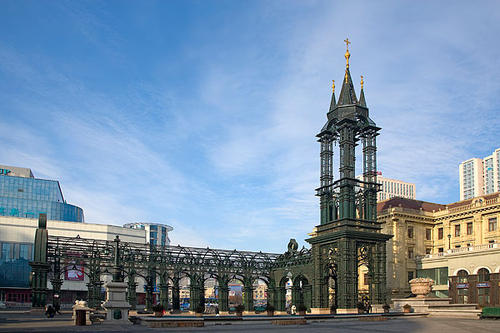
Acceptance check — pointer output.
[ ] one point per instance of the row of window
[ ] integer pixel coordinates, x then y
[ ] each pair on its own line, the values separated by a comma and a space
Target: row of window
32, 209
30, 188
398, 188
428, 233
14, 251
483, 290
492, 226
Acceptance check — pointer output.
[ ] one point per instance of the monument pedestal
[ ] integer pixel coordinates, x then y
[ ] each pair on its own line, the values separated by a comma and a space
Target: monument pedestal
438, 307
116, 304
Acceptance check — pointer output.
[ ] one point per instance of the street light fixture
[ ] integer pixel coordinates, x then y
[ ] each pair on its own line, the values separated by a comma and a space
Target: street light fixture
449, 241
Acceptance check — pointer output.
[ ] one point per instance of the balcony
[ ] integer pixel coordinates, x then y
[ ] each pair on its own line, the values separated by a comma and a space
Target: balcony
477, 248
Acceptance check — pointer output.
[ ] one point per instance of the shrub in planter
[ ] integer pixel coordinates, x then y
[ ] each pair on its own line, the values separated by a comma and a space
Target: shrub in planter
158, 309
239, 310
386, 308
270, 310
407, 308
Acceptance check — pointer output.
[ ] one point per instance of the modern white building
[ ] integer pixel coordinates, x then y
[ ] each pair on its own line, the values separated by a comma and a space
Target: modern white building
391, 188
156, 233
17, 235
479, 176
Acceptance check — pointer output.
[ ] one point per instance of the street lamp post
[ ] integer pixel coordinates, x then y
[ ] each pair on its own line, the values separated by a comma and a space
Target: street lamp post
449, 241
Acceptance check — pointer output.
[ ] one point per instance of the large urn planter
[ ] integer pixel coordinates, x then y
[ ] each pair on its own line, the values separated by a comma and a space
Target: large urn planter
421, 286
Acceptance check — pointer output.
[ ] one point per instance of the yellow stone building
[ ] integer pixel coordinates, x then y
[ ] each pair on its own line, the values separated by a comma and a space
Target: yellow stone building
439, 241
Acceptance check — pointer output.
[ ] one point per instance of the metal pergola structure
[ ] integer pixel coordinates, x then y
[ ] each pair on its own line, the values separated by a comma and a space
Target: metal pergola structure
167, 265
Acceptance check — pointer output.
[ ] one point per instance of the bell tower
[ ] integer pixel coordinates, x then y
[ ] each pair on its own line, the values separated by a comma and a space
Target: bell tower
348, 235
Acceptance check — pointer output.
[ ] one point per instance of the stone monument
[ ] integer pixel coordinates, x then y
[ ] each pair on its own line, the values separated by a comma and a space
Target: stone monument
116, 303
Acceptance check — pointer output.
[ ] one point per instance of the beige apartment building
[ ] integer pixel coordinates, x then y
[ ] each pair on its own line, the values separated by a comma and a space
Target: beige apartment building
479, 176
439, 241
390, 188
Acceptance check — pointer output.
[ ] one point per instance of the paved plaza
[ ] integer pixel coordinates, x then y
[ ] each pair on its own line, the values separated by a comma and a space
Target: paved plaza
24, 322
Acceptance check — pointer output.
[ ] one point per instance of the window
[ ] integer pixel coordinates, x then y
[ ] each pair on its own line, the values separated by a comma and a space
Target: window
428, 250
24, 251
410, 276
462, 276
492, 224
410, 253
483, 296
410, 232
483, 290
469, 228
462, 287
483, 275
6, 254
441, 250
440, 233
428, 234
457, 230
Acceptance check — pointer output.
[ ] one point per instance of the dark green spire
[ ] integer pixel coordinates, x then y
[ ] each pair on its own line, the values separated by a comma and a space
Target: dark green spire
347, 94
333, 102
362, 101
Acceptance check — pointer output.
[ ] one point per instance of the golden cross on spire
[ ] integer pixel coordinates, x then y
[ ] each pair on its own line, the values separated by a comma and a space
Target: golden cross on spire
333, 85
347, 54
347, 42
362, 82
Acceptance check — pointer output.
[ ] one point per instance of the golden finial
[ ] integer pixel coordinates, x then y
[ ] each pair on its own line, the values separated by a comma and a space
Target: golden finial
333, 85
346, 80
347, 54
362, 82
347, 42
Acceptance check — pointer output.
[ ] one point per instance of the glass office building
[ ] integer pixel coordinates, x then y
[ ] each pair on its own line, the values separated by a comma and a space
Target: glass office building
156, 233
22, 195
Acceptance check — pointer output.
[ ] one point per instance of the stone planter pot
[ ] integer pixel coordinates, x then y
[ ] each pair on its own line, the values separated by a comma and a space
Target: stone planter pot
421, 286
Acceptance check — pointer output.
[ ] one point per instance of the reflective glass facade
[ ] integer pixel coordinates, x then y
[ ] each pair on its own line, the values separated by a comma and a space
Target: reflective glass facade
14, 264
28, 197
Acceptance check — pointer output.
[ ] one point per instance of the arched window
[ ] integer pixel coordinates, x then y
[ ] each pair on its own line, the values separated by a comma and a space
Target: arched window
483, 275
462, 287
483, 287
463, 277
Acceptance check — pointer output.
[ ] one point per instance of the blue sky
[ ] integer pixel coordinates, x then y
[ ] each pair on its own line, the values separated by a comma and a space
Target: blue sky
203, 114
